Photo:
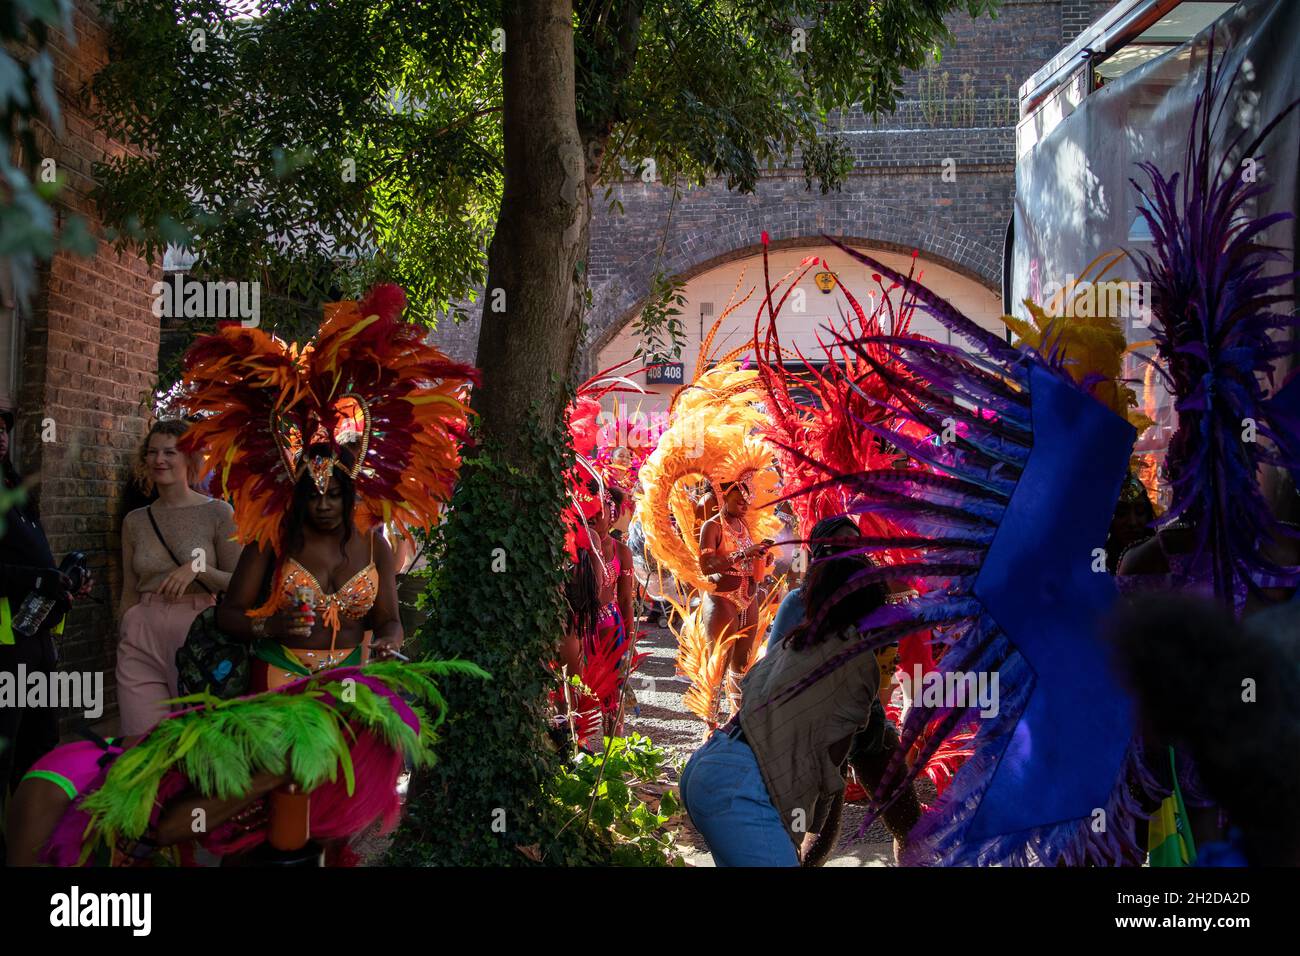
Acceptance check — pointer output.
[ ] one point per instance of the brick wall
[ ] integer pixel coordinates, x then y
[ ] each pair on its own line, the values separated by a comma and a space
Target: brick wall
90, 354
1078, 14
963, 108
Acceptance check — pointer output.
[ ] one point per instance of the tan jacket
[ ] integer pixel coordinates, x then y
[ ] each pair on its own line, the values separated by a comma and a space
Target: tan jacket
791, 739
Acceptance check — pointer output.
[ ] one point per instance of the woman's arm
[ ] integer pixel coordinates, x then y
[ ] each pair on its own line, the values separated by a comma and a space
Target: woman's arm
227, 549
130, 596
384, 618
788, 616
711, 561
242, 593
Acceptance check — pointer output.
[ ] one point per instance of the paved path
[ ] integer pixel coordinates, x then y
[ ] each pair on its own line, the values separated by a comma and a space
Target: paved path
661, 716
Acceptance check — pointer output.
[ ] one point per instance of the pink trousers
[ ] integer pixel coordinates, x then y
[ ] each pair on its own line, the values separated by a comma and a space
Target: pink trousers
152, 632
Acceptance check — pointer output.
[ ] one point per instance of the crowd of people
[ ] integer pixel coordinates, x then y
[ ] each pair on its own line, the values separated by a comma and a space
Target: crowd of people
909, 561
268, 593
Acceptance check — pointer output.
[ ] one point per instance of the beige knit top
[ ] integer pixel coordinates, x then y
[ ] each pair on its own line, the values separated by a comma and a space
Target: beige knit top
207, 528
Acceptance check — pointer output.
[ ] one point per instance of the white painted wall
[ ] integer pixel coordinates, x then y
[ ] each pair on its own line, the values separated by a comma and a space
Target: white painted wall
797, 330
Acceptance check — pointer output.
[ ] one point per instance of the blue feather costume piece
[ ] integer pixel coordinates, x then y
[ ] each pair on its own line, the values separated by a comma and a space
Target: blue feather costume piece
1004, 529
1009, 539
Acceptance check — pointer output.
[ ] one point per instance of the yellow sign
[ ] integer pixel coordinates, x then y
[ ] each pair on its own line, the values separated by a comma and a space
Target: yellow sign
825, 281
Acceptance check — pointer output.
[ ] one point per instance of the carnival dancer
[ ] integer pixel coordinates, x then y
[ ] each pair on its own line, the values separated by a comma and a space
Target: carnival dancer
318, 448
617, 583
600, 636
707, 508
335, 585
736, 565
598, 645
614, 637
340, 738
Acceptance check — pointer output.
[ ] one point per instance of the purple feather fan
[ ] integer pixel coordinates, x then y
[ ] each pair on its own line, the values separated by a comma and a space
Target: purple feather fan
1219, 334
948, 518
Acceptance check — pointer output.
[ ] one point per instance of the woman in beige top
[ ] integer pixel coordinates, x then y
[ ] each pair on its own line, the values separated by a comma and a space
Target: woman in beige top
165, 586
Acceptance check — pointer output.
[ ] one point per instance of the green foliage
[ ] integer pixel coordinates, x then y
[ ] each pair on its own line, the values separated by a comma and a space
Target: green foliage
28, 232
623, 829
317, 149
826, 162
495, 759
659, 327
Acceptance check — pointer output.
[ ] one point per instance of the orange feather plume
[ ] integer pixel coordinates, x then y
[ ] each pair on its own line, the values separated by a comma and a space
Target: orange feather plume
367, 384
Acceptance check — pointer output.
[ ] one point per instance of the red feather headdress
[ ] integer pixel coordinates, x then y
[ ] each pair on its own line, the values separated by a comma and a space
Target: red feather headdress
583, 420
367, 387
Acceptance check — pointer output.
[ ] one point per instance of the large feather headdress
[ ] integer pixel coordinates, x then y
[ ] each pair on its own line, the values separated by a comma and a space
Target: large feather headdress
713, 440
368, 390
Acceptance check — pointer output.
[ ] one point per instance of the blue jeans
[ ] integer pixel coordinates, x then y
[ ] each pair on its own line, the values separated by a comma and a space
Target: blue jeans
727, 801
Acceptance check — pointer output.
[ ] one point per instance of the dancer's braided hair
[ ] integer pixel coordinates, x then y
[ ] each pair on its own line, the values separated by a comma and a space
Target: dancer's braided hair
582, 593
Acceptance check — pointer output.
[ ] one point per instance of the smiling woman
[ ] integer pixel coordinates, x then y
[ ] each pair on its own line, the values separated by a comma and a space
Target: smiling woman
177, 555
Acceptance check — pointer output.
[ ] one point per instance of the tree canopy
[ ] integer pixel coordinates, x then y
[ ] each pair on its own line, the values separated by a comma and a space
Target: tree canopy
321, 147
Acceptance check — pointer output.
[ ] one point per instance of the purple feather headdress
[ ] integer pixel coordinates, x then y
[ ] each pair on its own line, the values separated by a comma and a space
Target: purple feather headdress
949, 520
1219, 335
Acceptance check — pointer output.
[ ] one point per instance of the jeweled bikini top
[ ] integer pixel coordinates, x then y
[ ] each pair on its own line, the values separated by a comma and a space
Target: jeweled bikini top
353, 600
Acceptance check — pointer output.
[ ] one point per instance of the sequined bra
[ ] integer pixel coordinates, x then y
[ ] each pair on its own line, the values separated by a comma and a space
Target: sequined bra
611, 574
736, 537
353, 600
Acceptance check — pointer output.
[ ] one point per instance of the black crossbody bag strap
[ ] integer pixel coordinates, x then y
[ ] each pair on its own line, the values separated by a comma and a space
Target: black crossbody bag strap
170, 552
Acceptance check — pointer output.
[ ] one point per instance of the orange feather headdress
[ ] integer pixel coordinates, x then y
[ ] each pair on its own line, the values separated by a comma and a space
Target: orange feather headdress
367, 388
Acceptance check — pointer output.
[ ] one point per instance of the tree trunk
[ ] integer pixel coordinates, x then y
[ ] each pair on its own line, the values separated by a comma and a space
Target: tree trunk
532, 309
496, 597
